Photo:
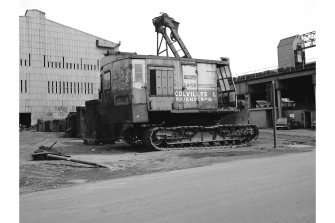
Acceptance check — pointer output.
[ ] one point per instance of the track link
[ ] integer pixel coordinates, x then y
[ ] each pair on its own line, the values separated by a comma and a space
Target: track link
199, 137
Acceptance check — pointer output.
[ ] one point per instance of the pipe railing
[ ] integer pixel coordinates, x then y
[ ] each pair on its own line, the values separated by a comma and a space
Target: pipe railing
275, 70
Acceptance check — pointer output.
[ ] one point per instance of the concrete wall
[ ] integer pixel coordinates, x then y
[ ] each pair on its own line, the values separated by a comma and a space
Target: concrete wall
54, 57
258, 118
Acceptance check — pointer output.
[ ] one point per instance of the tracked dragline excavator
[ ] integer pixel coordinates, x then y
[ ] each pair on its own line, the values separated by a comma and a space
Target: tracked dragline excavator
167, 102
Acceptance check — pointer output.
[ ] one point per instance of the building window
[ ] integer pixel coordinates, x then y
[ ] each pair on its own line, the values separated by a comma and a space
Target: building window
29, 61
25, 86
91, 67
78, 87
81, 87
70, 65
25, 62
52, 64
95, 67
138, 73
44, 60
98, 63
77, 66
67, 65
81, 63
84, 66
49, 87
59, 65
56, 64
88, 88
21, 86
56, 87
52, 87
85, 86
48, 63
91, 88
67, 87
60, 87
21, 62
63, 87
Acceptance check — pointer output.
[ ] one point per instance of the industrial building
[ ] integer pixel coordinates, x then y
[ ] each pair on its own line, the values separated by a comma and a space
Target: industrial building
295, 82
59, 68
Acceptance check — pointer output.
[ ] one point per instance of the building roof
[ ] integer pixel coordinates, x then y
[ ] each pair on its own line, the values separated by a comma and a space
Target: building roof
287, 41
103, 43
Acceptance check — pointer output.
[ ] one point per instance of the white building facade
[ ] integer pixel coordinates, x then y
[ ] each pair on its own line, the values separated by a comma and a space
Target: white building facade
59, 68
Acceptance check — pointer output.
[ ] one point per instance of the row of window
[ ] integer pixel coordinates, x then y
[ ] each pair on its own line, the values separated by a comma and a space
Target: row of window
67, 65
26, 62
62, 64
61, 87
23, 86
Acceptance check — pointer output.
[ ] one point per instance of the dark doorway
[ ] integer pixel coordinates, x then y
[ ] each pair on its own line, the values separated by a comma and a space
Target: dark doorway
307, 123
25, 119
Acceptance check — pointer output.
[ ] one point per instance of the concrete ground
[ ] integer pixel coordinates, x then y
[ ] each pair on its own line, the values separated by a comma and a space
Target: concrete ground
267, 189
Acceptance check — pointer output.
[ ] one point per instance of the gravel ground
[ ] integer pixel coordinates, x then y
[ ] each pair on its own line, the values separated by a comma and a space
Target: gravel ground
125, 160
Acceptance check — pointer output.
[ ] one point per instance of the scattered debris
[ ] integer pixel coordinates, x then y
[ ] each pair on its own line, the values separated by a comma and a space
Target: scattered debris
43, 151
47, 153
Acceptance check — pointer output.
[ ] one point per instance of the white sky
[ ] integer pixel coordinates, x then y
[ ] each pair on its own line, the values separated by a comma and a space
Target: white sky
247, 32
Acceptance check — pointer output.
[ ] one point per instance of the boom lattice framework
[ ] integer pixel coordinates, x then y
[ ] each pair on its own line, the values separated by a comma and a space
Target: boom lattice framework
161, 23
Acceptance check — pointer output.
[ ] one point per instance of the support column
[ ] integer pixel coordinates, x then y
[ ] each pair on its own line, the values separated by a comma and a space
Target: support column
248, 104
248, 100
280, 112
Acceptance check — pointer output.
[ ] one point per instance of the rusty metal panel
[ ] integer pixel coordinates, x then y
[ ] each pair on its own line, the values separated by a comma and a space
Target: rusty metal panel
161, 103
106, 81
206, 76
120, 74
159, 90
138, 96
170, 82
140, 113
164, 82
207, 86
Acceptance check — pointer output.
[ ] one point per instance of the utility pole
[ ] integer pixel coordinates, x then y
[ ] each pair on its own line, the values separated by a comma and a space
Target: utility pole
274, 114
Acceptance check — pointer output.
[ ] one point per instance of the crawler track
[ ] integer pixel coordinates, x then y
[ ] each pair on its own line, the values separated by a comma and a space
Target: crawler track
199, 137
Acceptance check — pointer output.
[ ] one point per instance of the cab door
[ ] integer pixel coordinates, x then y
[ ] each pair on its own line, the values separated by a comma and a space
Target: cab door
189, 93
207, 86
